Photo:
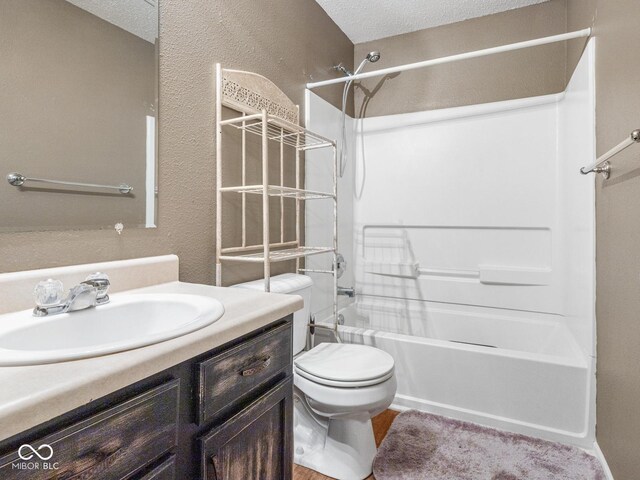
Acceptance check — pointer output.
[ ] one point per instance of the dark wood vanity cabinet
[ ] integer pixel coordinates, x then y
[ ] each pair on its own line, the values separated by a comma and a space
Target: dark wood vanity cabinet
224, 415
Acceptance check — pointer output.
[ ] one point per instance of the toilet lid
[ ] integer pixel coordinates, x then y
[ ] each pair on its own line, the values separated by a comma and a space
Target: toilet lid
343, 363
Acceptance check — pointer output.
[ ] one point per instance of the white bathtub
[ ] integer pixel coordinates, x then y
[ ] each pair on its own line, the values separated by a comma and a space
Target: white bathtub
517, 371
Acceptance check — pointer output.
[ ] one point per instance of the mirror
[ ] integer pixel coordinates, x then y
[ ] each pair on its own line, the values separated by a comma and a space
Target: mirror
78, 114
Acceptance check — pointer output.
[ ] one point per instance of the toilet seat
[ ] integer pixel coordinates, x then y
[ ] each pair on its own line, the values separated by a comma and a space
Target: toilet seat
345, 365
335, 383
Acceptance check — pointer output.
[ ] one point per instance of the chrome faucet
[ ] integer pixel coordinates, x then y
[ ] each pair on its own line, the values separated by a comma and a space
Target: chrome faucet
347, 291
90, 293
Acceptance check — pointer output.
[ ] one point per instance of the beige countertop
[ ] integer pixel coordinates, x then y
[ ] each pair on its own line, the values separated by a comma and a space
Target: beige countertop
31, 395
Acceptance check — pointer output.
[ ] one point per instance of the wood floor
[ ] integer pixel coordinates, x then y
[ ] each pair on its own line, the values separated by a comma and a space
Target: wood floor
381, 424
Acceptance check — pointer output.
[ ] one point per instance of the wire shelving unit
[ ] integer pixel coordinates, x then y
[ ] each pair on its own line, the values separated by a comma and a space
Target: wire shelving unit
264, 110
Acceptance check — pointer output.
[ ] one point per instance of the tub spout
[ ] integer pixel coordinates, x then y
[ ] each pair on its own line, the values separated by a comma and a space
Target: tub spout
347, 291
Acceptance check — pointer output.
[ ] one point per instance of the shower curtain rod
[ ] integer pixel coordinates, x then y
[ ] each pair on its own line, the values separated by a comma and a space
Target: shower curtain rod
454, 58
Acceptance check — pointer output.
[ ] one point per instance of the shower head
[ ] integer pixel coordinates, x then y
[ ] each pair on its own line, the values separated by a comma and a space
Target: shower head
373, 57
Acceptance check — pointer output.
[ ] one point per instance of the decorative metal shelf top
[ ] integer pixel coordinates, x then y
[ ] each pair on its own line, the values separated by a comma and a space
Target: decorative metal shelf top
279, 191
278, 255
280, 130
18, 180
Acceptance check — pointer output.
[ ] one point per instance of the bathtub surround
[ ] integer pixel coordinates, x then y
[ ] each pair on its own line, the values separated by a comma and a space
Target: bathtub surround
420, 445
289, 42
318, 177
438, 284
616, 26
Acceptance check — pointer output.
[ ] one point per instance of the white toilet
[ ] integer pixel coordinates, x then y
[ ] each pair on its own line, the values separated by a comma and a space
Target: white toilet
338, 388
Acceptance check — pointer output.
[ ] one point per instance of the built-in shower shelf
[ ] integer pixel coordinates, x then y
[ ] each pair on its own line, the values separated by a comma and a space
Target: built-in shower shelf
278, 255
393, 269
279, 191
279, 130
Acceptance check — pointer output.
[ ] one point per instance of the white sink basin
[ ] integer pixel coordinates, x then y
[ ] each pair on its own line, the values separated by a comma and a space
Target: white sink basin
128, 321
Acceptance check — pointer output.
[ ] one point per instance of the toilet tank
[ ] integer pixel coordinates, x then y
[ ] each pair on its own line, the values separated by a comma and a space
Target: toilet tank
295, 284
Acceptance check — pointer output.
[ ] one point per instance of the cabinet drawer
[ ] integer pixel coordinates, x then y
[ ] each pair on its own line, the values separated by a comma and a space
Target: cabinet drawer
227, 379
110, 445
165, 471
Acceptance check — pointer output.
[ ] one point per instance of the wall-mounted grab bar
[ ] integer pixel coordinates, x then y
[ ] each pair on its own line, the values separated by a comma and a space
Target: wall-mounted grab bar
601, 165
17, 180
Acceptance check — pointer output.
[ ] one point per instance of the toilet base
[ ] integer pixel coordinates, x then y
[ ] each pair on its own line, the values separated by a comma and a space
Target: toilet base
342, 448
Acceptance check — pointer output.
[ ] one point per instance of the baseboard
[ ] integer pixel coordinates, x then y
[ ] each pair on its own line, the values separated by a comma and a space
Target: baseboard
603, 461
398, 407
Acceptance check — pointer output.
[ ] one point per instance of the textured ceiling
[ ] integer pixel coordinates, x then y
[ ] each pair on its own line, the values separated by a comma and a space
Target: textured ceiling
139, 17
365, 20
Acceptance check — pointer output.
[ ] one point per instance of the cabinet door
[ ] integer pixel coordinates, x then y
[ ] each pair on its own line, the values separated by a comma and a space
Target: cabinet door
255, 444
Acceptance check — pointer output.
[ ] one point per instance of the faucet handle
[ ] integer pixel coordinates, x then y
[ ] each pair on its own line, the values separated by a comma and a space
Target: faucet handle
48, 293
101, 282
97, 276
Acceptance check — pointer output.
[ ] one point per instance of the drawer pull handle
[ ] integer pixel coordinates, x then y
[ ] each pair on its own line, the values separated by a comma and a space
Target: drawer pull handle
256, 367
89, 466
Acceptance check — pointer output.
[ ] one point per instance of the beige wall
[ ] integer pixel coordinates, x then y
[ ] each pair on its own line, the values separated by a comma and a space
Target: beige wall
617, 33
76, 91
524, 73
290, 42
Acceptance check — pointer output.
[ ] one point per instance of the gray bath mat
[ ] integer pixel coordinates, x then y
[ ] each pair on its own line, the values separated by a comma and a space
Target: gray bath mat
420, 446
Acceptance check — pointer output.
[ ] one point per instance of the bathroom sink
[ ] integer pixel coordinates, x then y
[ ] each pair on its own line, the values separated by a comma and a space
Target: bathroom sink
128, 321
